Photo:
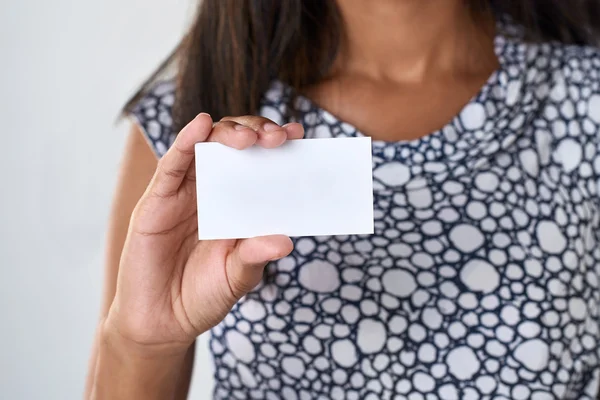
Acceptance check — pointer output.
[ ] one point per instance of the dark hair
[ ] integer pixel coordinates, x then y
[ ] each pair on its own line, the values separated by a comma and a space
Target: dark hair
235, 48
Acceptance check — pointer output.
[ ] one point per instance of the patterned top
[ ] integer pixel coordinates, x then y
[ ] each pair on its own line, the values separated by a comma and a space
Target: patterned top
482, 278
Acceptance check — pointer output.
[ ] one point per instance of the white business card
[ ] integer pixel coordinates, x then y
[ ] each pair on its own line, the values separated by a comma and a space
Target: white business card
308, 187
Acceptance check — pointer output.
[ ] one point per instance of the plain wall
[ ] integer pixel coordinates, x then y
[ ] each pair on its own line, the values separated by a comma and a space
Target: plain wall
66, 66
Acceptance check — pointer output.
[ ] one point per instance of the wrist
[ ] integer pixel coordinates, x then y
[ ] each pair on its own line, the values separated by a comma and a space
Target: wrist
129, 370
118, 336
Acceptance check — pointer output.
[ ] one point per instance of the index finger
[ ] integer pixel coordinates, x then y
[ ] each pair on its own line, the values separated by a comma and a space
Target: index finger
174, 165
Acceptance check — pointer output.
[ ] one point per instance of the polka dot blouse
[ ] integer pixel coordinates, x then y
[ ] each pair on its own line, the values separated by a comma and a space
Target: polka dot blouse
482, 278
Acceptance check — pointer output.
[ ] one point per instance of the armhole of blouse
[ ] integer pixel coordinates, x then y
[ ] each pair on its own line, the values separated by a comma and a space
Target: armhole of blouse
153, 115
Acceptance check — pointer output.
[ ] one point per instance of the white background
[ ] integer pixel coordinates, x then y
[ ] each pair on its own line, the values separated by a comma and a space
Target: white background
66, 66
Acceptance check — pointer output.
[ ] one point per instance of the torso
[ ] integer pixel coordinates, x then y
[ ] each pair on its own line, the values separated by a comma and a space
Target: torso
482, 277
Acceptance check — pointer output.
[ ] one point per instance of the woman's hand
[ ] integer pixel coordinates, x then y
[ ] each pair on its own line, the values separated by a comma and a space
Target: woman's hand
172, 287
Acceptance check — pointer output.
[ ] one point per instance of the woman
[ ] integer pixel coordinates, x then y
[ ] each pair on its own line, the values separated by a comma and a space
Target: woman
482, 277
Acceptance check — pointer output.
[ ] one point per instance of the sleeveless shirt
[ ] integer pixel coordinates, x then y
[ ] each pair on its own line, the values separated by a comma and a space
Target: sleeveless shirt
482, 278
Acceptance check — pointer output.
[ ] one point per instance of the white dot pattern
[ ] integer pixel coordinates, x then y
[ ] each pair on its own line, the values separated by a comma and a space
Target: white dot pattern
482, 277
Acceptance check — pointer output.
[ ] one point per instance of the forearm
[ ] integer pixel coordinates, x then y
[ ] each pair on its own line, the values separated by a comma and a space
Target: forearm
124, 371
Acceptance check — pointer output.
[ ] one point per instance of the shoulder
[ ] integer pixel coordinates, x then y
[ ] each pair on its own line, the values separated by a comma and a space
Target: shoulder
580, 65
566, 82
153, 113
563, 87
555, 90
154, 108
571, 75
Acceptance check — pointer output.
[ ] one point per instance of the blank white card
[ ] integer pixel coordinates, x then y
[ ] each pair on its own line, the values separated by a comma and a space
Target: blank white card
309, 187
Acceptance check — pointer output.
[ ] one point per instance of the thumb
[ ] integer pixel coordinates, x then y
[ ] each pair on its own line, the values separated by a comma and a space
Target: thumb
247, 261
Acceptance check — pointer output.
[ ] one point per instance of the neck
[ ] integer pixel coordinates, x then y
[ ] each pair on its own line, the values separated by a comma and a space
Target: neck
410, 40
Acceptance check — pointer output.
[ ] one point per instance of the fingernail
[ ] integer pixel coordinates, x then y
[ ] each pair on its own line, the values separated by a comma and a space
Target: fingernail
287, 126
271, 127
239, 127
203, 113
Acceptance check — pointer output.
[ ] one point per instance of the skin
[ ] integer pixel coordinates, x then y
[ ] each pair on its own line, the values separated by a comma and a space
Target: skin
163, 287
399, 88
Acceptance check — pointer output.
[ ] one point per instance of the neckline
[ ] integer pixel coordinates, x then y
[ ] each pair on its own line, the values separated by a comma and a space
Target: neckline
433, 142
353, 131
